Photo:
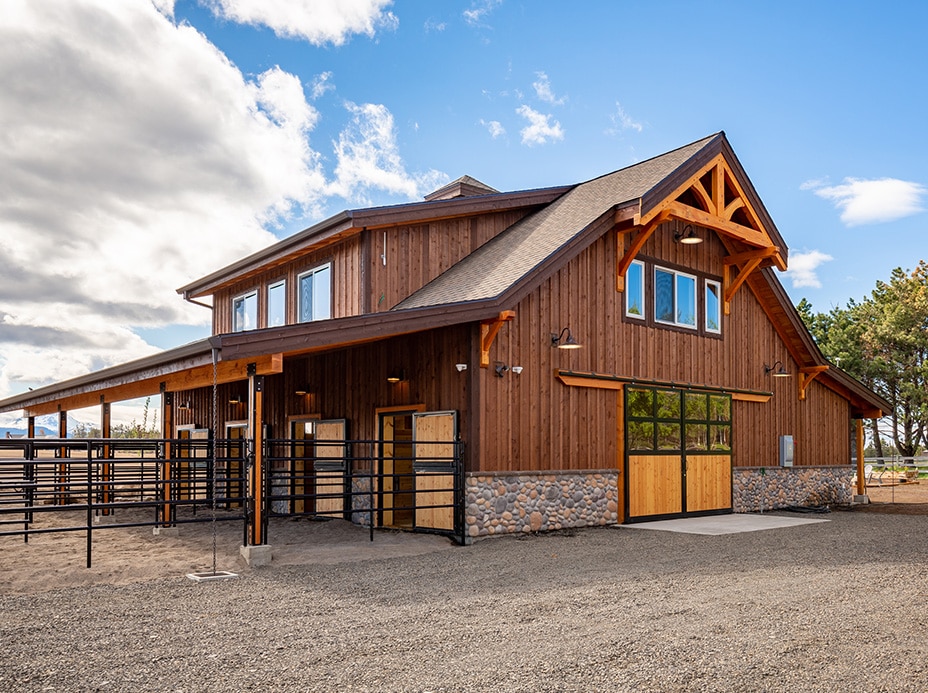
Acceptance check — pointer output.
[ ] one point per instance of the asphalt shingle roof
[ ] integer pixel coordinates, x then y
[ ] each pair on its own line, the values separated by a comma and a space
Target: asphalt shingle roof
498, 264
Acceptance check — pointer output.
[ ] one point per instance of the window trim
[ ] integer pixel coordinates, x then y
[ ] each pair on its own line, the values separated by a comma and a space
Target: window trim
244, 297
299, 291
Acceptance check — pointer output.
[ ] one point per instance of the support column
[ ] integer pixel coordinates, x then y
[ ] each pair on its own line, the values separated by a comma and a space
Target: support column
861, 496
256, 552
106, 468
30, 427
167, 512
64, 467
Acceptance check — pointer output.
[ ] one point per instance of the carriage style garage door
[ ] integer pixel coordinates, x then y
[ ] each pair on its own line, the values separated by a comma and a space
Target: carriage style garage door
678, 453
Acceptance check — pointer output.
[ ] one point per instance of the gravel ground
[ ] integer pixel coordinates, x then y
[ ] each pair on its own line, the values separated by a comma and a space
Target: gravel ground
822, 607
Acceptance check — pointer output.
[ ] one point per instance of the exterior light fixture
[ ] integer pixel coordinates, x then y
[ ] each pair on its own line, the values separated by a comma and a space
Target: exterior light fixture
500, 369
396, 376
687, 236
517, 370
564, 340
235, 399
461, 367
301, 390
184, 406
778, 370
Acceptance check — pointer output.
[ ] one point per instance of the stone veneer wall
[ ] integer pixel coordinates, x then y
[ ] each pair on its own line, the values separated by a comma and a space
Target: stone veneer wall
539, 501
768, 488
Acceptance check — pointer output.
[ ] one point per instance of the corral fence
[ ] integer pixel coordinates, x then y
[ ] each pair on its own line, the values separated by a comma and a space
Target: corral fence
89, 485
893, 471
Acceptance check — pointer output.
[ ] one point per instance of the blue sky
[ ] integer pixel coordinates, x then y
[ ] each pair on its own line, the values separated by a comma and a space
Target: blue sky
149, 142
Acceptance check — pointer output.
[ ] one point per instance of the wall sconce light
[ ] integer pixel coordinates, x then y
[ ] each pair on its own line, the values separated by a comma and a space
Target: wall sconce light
687, 236
500, 369
562, 342
301, 390
184, 406
396, 376
517, 370
778, 370
235, 399
461, 367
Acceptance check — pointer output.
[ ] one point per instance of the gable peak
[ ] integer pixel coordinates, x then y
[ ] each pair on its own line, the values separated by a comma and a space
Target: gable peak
465, 186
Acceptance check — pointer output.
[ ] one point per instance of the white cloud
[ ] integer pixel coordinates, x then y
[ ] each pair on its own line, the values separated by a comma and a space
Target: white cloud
317, 21
622, 121
872, 201
540, 129
544, 92
322, 84
136, 157
434, 25
368, 157
479, 10
803, 266
494, 127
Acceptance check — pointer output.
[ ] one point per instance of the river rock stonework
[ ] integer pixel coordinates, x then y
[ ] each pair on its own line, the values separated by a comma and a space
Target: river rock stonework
511, 503
755, 489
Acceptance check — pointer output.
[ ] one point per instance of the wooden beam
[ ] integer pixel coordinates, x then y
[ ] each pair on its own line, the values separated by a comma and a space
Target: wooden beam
739, 258
574, 381
255, 480
718, 183
189, 379
488, 331
732, 207
750, 397
625, 261
746, 234
806, 376
703, 195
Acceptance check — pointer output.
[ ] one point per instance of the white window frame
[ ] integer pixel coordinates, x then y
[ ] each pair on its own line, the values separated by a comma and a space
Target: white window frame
643, 315
299, 291
253, 294
676, 298
719, 300
270, 287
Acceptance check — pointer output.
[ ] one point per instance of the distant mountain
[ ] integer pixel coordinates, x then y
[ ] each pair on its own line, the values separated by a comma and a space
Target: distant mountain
19, 432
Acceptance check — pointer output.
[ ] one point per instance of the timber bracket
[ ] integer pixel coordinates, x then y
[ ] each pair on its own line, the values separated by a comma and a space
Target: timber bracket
806, 376
488, 331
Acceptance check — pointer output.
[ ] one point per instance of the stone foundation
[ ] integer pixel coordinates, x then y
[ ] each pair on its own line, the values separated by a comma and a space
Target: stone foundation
540, 501
756, 489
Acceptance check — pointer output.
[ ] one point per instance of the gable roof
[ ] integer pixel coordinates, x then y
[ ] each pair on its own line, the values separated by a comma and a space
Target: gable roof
516, 253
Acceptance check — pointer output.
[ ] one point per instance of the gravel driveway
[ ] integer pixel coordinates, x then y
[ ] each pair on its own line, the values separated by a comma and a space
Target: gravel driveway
823, 607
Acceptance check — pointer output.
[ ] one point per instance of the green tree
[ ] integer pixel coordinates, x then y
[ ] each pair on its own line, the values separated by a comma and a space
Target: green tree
883, 342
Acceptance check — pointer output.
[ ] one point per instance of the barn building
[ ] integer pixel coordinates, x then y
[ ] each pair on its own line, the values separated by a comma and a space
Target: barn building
485, 362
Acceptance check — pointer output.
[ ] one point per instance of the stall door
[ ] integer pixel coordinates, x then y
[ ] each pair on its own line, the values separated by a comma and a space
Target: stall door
434, 434
678, 453
397, 486
330, 467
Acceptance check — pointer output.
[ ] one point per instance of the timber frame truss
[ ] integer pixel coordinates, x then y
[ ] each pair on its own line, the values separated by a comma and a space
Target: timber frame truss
713, 199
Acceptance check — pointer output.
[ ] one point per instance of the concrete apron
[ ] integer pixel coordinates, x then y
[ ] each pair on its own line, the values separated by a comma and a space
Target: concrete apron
725, 524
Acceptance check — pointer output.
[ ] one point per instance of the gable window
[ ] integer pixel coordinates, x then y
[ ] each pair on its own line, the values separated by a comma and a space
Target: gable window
315, 287
245, 312
634, 290
674, 298
713, 306
277, 304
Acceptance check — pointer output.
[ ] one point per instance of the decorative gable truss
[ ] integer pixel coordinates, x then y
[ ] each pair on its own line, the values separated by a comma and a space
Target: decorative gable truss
712, 198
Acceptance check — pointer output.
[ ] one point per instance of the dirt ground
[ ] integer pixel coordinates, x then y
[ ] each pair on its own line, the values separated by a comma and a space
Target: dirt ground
129, 555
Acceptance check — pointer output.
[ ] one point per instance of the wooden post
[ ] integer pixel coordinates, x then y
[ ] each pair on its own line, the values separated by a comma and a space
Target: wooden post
63, 497
168, 514
256, 535
861, 479
30, 427
106, 468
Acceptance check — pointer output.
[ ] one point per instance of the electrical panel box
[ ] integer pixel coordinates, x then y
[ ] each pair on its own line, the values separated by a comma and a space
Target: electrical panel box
786, 451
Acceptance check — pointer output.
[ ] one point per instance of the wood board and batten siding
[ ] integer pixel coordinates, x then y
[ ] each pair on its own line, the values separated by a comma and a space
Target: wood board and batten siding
434, 434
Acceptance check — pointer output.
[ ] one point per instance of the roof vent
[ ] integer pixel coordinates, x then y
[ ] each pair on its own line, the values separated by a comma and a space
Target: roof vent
465, 186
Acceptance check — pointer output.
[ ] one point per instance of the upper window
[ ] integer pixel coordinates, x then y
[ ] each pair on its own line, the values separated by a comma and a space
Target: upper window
315, 289
674, 298
245, 312
634, 290
713, 306
277, 304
